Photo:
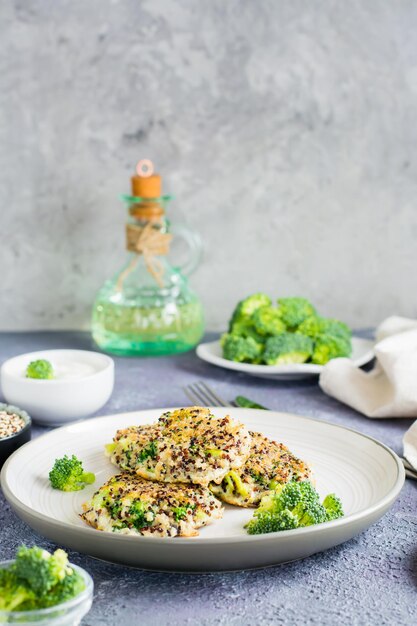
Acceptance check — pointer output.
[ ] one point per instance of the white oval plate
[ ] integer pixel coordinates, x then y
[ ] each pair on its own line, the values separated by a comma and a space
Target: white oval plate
367, 476
362, 353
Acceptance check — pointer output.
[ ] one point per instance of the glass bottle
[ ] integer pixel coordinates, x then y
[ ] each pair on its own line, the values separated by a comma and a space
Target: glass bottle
148, 308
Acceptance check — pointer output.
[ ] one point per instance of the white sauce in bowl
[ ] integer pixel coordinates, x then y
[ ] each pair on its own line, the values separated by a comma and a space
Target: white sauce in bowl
73, 370
69, 370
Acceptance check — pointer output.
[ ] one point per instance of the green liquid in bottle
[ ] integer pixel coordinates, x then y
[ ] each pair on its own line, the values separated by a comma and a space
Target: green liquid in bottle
125, 329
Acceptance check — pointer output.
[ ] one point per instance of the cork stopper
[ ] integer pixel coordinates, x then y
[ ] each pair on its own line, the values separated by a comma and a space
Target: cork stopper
146, 184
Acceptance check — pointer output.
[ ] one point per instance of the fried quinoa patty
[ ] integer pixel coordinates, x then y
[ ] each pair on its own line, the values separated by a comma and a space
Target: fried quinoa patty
186, 445
127, 504
269, 463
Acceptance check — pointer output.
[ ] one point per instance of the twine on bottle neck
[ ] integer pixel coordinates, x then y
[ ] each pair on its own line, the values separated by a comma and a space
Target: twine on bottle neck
149, 242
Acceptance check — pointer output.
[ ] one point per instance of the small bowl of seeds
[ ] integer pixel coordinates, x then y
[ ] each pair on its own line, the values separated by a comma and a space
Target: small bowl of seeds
15, 430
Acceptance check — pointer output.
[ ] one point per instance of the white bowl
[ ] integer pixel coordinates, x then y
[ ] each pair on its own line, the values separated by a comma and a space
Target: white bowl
59, 400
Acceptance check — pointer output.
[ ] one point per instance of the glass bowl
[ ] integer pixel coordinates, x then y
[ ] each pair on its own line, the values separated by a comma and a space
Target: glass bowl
66, 614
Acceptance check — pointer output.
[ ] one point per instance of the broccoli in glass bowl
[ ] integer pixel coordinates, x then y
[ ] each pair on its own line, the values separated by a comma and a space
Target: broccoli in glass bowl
43, 588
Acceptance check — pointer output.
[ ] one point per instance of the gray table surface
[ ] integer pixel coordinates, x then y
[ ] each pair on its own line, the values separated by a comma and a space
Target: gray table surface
371, 579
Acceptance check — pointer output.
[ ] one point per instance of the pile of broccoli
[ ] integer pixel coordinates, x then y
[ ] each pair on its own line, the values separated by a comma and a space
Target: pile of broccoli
291, 332
293, 505
38, 580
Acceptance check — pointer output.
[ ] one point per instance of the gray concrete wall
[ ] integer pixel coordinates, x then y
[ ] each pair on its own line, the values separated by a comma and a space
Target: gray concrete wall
286, 130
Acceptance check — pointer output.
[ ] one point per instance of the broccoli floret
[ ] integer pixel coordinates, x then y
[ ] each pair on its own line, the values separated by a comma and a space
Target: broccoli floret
284, 496
245, 308
38, 579
310, 515
335, 327
14, 595
245, 328
316, 326
68, 474
333, 506
240, 349
40, 369
293, 505
294, 311
39, 569
267, 321
329, 347
310, 327
72, 585
287, 348
272, 523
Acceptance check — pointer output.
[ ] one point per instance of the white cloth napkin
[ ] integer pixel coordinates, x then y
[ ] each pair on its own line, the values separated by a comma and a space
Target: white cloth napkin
410, 445
390, 389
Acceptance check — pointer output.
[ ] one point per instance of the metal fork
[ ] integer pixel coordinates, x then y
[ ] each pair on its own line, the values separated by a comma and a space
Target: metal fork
200, 393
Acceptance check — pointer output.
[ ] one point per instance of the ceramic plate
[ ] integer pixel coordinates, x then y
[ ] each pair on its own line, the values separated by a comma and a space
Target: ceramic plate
362, 353
367, 476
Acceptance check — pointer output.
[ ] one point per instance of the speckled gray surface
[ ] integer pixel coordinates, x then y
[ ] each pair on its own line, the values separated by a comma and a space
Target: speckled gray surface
370, 580
285, 129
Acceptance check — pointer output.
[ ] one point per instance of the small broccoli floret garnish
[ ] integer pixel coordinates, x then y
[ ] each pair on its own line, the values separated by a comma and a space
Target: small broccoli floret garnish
293, 505
267, 321
68, 474
294, 311
38, 579
245, 308
287, 348
41, 369
329, 347
240, 349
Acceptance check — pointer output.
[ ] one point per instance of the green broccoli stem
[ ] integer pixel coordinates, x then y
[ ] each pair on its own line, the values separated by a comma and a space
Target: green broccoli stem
20, 595
88, 477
